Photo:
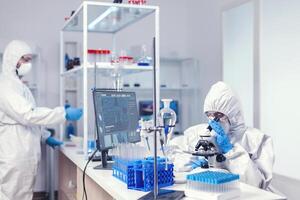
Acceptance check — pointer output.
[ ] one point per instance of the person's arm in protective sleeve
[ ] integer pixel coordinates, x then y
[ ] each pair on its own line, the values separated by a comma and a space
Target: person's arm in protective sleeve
257, 170
45, 135
184, 161
22, 111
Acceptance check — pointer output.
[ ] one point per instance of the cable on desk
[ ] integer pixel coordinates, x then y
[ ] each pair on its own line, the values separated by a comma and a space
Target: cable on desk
83, 176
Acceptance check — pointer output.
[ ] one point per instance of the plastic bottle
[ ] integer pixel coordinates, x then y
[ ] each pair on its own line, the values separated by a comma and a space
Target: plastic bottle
70, 130
91, 146
66, 60
67, 104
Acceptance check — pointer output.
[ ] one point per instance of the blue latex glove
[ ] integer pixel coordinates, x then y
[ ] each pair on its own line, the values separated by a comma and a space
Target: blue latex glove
51, 141
73, 114
201, 162
221, 138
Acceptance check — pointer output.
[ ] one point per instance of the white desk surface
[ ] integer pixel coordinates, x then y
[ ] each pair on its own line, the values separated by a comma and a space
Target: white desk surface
118, 190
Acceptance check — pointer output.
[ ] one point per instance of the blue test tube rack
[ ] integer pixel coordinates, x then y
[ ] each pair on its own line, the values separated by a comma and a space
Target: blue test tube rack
139, 174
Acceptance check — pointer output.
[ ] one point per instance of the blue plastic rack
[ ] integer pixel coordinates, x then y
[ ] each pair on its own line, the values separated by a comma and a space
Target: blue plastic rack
213, 177
139, 174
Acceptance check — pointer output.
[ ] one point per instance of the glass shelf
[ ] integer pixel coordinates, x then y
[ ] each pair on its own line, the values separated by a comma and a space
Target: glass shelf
107, 17
161, 88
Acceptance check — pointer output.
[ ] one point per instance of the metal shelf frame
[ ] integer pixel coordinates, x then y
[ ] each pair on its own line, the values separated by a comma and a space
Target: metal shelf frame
82, 12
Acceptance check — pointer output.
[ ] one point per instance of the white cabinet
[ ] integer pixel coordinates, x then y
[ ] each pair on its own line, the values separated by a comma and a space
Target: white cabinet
238, 55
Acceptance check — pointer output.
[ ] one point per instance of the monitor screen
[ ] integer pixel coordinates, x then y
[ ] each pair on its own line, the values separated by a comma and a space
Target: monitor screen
146, 108
116, 118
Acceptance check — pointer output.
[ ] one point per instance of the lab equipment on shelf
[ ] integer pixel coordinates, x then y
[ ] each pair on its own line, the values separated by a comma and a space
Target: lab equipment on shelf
91, 146
138, 174
117, 1
70, 130
116, 73
106, 56
146, 109
212, 185
144, 60
99, 56
71, 63
126, 60
137, 2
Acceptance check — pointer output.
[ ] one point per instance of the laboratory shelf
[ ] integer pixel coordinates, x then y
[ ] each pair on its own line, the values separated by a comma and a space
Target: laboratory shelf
93, 18
171, 59
162, 88
107, 69
107, 17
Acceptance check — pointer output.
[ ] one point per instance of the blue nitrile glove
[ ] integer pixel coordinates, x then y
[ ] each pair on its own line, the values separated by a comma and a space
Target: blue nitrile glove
221, 138
51, 141
201, 162
73, 114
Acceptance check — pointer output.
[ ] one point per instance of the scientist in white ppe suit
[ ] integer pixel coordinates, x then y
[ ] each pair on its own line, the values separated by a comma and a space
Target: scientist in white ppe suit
20, 125
248, 151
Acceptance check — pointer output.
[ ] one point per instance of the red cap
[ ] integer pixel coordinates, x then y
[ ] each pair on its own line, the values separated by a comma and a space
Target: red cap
96, 51
92, 51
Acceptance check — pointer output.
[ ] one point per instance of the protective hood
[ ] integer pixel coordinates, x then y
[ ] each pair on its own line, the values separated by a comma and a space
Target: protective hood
12, 54
222, 99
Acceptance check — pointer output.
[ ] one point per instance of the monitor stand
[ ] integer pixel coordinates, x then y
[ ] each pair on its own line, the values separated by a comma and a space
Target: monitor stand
104, 165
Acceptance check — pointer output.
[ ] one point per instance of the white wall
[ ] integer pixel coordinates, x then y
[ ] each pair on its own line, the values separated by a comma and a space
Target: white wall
238, 66
280, 81
188, 28
278, 59
204, 43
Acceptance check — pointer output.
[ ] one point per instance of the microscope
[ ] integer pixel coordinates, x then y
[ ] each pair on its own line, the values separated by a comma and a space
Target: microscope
206, 147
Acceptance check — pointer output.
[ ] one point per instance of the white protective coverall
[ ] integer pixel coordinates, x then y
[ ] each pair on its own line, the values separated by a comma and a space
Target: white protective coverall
252, 156
20, 131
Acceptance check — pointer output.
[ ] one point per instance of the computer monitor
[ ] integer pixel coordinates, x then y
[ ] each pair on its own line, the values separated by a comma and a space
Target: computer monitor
146, 108
116, 119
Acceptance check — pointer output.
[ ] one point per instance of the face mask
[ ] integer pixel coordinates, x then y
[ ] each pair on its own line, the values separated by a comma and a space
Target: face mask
24, 69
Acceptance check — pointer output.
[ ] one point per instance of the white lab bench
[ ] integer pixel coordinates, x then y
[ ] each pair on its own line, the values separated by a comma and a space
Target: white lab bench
100, 184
